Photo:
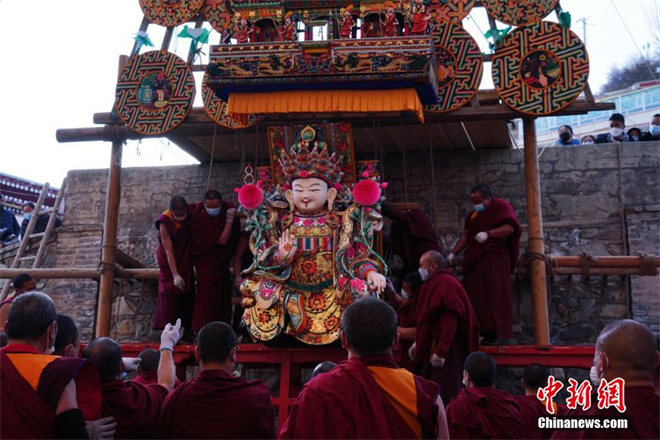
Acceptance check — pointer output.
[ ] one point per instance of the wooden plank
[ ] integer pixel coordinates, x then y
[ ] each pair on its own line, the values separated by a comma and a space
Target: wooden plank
49, 227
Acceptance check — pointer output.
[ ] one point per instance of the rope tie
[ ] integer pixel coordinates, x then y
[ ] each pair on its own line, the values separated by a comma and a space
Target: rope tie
586, 260
647, 264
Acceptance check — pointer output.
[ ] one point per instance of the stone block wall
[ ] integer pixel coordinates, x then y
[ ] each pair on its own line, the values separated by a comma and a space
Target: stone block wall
586, 191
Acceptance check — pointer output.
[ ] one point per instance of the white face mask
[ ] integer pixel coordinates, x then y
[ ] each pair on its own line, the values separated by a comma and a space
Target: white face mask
213, 212
616, 132
424, 273
404, 294
588, 143
181, 218
654, 130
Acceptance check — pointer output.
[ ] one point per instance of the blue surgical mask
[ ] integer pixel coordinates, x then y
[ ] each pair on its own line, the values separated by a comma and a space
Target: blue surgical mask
479, 208
654, 130
213, 212
28, 216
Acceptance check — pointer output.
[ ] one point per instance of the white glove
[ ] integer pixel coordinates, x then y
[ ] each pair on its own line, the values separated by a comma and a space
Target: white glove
104, 428
131, 364
231, 213
170, 335
450, 259
481, 237
179, 283
412, 352
437, 361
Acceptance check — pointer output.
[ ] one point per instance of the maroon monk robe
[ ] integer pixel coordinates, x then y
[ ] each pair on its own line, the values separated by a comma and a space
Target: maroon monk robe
347, 402
211, 260
487, 267
218, 405
446, 326
412, 235
642, 412
151, 377
484, 412
134, 406
531, 408
406, 315
173, 303
30, 413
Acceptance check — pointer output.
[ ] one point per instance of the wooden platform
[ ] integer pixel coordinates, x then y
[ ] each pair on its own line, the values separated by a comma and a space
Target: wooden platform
291, 361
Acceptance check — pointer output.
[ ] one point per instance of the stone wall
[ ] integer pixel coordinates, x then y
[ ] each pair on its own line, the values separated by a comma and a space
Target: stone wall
588, 193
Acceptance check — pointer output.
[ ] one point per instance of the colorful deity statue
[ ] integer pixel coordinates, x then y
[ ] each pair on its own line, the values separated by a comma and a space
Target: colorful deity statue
289, 32
419, 18
390, 24
243, 31
313, 248
347, 23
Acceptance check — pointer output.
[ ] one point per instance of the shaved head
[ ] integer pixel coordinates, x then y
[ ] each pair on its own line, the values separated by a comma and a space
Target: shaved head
149, 360
323, 367
628, 345
106, 355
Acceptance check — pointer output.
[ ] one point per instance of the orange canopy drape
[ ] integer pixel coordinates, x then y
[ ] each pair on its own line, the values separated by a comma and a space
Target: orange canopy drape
326, 101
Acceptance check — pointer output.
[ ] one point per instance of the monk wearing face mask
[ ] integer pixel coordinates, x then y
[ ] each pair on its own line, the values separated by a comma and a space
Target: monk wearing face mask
175, 276
491, 243
214, 237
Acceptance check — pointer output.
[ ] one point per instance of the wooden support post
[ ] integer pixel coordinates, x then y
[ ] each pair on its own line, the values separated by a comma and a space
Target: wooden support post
535, 229
109, 242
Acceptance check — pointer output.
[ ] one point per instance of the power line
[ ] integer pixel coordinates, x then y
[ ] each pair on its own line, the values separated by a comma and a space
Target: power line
633, 40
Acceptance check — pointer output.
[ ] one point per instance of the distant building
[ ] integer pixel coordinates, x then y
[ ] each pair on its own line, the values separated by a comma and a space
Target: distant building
637, 103
17, 191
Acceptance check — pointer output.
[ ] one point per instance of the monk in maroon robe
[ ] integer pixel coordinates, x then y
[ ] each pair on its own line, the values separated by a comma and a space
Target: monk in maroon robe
624, 350
213, 246
481, 411
43, 396
491, 243
536, 376
216, 404
134, 406
412, 235
367, 396
147, 369
175, 276
22, 283
446, 328
405, 305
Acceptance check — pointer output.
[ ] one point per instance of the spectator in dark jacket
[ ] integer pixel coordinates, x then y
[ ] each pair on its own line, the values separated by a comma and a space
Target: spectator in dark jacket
9, 228
42, 220
654, 129
565, 134
617, 131
634, 134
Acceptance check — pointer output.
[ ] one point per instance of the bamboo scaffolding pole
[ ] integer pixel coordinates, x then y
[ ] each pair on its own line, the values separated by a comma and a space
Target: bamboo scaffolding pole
537, 273
78, 273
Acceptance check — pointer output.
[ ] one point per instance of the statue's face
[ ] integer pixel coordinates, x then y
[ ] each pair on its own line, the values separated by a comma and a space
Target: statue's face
309, 195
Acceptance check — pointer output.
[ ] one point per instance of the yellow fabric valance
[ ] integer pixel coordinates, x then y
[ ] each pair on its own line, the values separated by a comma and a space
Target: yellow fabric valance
326, 101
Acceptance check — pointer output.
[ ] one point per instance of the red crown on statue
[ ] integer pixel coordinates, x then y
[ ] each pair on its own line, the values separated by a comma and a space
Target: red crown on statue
310, 158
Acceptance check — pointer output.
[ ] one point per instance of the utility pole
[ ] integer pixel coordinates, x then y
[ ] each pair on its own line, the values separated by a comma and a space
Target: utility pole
583, 20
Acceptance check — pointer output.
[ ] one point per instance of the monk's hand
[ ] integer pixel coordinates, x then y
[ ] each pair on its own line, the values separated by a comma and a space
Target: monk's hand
104, 428
437, 361
130, 364
170, 335
287, 248
376, 281
179, 283
481, 237
412, 352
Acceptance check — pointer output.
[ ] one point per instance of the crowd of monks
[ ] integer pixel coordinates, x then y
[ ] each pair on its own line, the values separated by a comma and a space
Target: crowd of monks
47, 390
413, 367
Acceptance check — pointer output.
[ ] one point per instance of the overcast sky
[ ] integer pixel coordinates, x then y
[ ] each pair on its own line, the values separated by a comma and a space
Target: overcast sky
59, 67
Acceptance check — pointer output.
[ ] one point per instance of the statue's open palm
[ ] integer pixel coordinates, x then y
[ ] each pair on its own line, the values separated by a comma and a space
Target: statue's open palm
287, 248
